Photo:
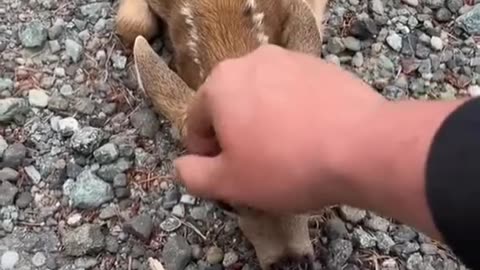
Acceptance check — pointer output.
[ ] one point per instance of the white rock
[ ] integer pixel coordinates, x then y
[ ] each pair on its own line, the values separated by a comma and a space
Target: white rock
67, 126
412, 3
74, 220
39, 259
9, 260
33, 174
474, 90
394, 41
436, 43
38, 98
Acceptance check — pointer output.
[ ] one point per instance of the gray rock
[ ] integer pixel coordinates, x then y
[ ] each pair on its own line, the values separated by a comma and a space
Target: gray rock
335, 45
352, 43
436, 43
9, 260
352, 214
58, 103
363, 239
109, 171
340, 251
66, 90
86, 140
357, 59
335, 228
144, 159
414, 262
33, 35
199, 212
7, 193
68, 126
14, 155
12, 107
84, 240
23, 200
434, 4
179, 210
6, 84
96, 10
89, 191
176, 253
412, 3
84, 106
8, 174
120, 180
394, 41
229, 259
39, 259
3, 146
428, 249
377, 223
376, 6
73, 50
86, 262
454, 5
140, 226
384, 242
146, 122
106, 154
470, 21
33, 174
443, 15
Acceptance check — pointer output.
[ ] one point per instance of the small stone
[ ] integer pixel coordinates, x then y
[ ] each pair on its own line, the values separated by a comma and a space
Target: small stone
395, 42
86, 140
120, 180
73, 50
54, 46
14, 155
414, 262
363, 239
84, 240
428, 249
474, 90
187, 199
8, 174
352, 43
39, 259
9, 260
384, 242
335, 228
436, 43
11, 108
376, 6
412, 3
23, 200
214, 255
95, 10
377, 223
140, 226
108, 171
146, 122
352, 214
340, 251
66, 90
170, 224
357, 59
119, 61
454, 5
179, 210
89, 191
68, 126
364, 28
38, 98
74, 220
6, 84
443, 15
390, 264
470, 21
106, 154
176, 253
33, 35
199, 213
229, 259
335, 45
33, 174
84, 106
122, 193
57, 103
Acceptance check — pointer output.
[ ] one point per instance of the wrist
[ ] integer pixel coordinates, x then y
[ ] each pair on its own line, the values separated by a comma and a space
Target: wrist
388, 157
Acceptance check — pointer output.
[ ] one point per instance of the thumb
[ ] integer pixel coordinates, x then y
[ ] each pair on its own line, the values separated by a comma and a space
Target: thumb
201, 175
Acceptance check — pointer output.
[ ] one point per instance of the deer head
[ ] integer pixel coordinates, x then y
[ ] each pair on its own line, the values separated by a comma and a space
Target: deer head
203, 33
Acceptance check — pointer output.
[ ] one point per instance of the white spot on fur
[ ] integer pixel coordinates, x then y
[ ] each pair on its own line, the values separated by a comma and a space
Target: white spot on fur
193, 35
257, 20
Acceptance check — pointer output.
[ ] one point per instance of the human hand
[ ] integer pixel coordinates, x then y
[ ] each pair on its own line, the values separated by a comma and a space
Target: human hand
272, 130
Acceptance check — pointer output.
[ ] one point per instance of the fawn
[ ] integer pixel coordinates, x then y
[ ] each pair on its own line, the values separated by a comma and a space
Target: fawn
203, 33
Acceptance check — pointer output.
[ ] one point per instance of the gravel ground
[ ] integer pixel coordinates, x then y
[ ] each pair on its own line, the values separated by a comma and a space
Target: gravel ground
81, 151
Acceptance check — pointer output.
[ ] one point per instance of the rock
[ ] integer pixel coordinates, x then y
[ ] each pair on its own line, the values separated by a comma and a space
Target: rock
395, 42
170, 224
187, 199
377, 223
376, 6
86, 140
384, 242
84, 106
9, 260
363, 239
229, 259
7, 193
84, 240
335, 45
119, 61
120, 180
214, 255
33, 174
335, 228
73, 50
357, 59
23, 200
352, 44
340, 251
146, 122
474, 90
443, 15
74, 220
352, 214
8, 174
470, 21
179, 210
454, 5
140, 226
89, 191
33, 35
199, 213
68, 126
436, 43
176, 253
11, 108
94, 11
6, 84
412, 3
106, 154
58, 103
3, 146
14, 155
39, 259
414, 262
109, 171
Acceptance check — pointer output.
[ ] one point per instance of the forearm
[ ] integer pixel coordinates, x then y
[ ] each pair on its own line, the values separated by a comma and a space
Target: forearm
390, 161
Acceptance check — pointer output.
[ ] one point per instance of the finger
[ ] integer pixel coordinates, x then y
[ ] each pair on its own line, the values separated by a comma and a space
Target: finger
201, 138
200, 175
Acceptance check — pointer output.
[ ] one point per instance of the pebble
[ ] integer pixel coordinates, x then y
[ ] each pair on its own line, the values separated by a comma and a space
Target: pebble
89, 191
176, 253
474, 90
412, 3
120, 180
107, 153
146, 122
214, 255
436, 43
33, 174
33, 35
352, 43
178, 210
140, 226
11, 108
23, 200
6, 84
352, 214
9, 260
68, 126
39, 259
395, 42
73, 50
229, 259
83, 240
3, 145
86, 139
14, 155
74, 220
8, 174
187, 199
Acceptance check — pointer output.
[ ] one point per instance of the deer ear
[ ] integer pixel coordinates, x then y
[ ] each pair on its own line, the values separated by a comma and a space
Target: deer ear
170, 95
301, 31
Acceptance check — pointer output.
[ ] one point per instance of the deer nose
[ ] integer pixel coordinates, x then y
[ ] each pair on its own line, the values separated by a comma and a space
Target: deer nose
304, 262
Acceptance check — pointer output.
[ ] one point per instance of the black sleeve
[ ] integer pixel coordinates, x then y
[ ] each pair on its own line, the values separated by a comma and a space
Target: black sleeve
453, 181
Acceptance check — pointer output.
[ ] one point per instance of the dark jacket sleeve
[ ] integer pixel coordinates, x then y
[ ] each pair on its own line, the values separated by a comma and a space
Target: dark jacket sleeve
453, 181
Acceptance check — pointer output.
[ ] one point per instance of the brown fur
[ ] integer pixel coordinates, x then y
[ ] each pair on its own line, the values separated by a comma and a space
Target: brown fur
203, 33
